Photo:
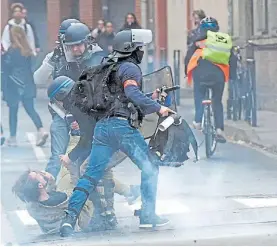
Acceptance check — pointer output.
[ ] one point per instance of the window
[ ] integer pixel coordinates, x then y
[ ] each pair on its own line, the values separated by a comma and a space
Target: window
234, 20
261, 17
273, 17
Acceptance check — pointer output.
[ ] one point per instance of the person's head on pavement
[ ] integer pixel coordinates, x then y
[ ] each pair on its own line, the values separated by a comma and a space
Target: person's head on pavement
16, 12
197, 16
32, 186
19, 40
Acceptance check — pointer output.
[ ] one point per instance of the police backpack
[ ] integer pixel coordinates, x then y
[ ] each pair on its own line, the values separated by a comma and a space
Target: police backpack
170, 147
93, 93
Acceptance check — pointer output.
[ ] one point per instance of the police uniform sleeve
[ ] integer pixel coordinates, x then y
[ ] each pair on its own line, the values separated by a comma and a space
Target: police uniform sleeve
130, 76
87, 125
43, 75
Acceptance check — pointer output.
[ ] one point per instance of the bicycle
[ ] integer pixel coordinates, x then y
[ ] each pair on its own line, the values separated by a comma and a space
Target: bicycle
250, 103
208, 126
234, 102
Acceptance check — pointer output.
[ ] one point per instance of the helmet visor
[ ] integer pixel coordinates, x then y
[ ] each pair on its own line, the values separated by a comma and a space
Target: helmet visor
142, 36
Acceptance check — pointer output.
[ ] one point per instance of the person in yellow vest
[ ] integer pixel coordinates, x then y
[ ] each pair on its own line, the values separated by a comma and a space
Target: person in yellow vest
210, 60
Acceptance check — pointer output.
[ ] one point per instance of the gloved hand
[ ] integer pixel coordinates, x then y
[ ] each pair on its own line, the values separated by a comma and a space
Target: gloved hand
57, 53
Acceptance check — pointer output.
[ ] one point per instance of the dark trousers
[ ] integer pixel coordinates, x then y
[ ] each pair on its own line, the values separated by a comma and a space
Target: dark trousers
199, 95
28, 105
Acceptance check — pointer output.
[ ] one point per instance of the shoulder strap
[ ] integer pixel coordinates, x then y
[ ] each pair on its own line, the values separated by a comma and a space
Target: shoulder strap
25, 27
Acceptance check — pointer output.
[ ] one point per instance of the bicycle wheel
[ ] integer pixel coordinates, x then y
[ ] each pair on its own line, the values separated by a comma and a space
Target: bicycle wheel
210, 141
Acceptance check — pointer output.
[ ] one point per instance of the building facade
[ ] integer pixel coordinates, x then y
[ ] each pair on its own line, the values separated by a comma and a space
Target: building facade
256, 20
170, 21
48, 14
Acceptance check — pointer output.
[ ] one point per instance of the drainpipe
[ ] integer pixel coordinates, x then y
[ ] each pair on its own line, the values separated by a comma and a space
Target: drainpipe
105, 9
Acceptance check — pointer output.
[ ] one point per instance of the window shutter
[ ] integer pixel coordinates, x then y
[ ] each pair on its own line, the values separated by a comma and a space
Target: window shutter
260, 17
273, 16
236, 19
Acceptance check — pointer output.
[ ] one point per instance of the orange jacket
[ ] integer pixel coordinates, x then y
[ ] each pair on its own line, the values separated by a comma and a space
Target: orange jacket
193, 62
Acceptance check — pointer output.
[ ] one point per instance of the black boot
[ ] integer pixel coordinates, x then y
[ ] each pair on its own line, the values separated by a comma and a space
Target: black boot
102, 223
67, 225
111, 221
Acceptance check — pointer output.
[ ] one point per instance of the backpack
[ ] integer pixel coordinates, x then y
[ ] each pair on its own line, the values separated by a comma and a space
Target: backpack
93, 93
218, 47
170, 147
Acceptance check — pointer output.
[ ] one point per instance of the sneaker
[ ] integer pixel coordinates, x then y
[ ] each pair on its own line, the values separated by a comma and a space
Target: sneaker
12, 141
157, 221
41, 138
134, 194
220, 137
67, 225
196, 126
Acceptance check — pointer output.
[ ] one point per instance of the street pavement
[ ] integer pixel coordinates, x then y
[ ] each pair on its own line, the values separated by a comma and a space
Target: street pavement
229, 199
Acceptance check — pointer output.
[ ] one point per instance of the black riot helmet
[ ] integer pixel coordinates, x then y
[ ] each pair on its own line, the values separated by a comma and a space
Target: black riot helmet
60, 88
66, 24
130, 42
76, 33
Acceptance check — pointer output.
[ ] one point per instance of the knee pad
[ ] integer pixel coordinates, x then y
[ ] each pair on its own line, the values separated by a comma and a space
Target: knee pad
86, 184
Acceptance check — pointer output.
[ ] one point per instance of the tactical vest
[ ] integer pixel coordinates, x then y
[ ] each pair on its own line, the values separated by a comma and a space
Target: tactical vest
63, 68
121, 107
73, 70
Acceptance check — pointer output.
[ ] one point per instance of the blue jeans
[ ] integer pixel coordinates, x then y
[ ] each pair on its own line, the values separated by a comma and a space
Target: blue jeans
59, 141
111, 135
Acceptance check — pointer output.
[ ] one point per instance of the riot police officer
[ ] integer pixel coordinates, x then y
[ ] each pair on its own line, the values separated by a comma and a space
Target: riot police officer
74, 53
59, 129
45, 73
103, 216
114, 132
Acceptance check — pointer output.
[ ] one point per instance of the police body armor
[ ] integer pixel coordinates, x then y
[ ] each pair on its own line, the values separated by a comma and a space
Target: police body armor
73, 70
124, 107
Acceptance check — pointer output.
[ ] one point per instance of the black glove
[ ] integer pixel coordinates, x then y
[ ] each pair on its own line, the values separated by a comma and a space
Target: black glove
58, 52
